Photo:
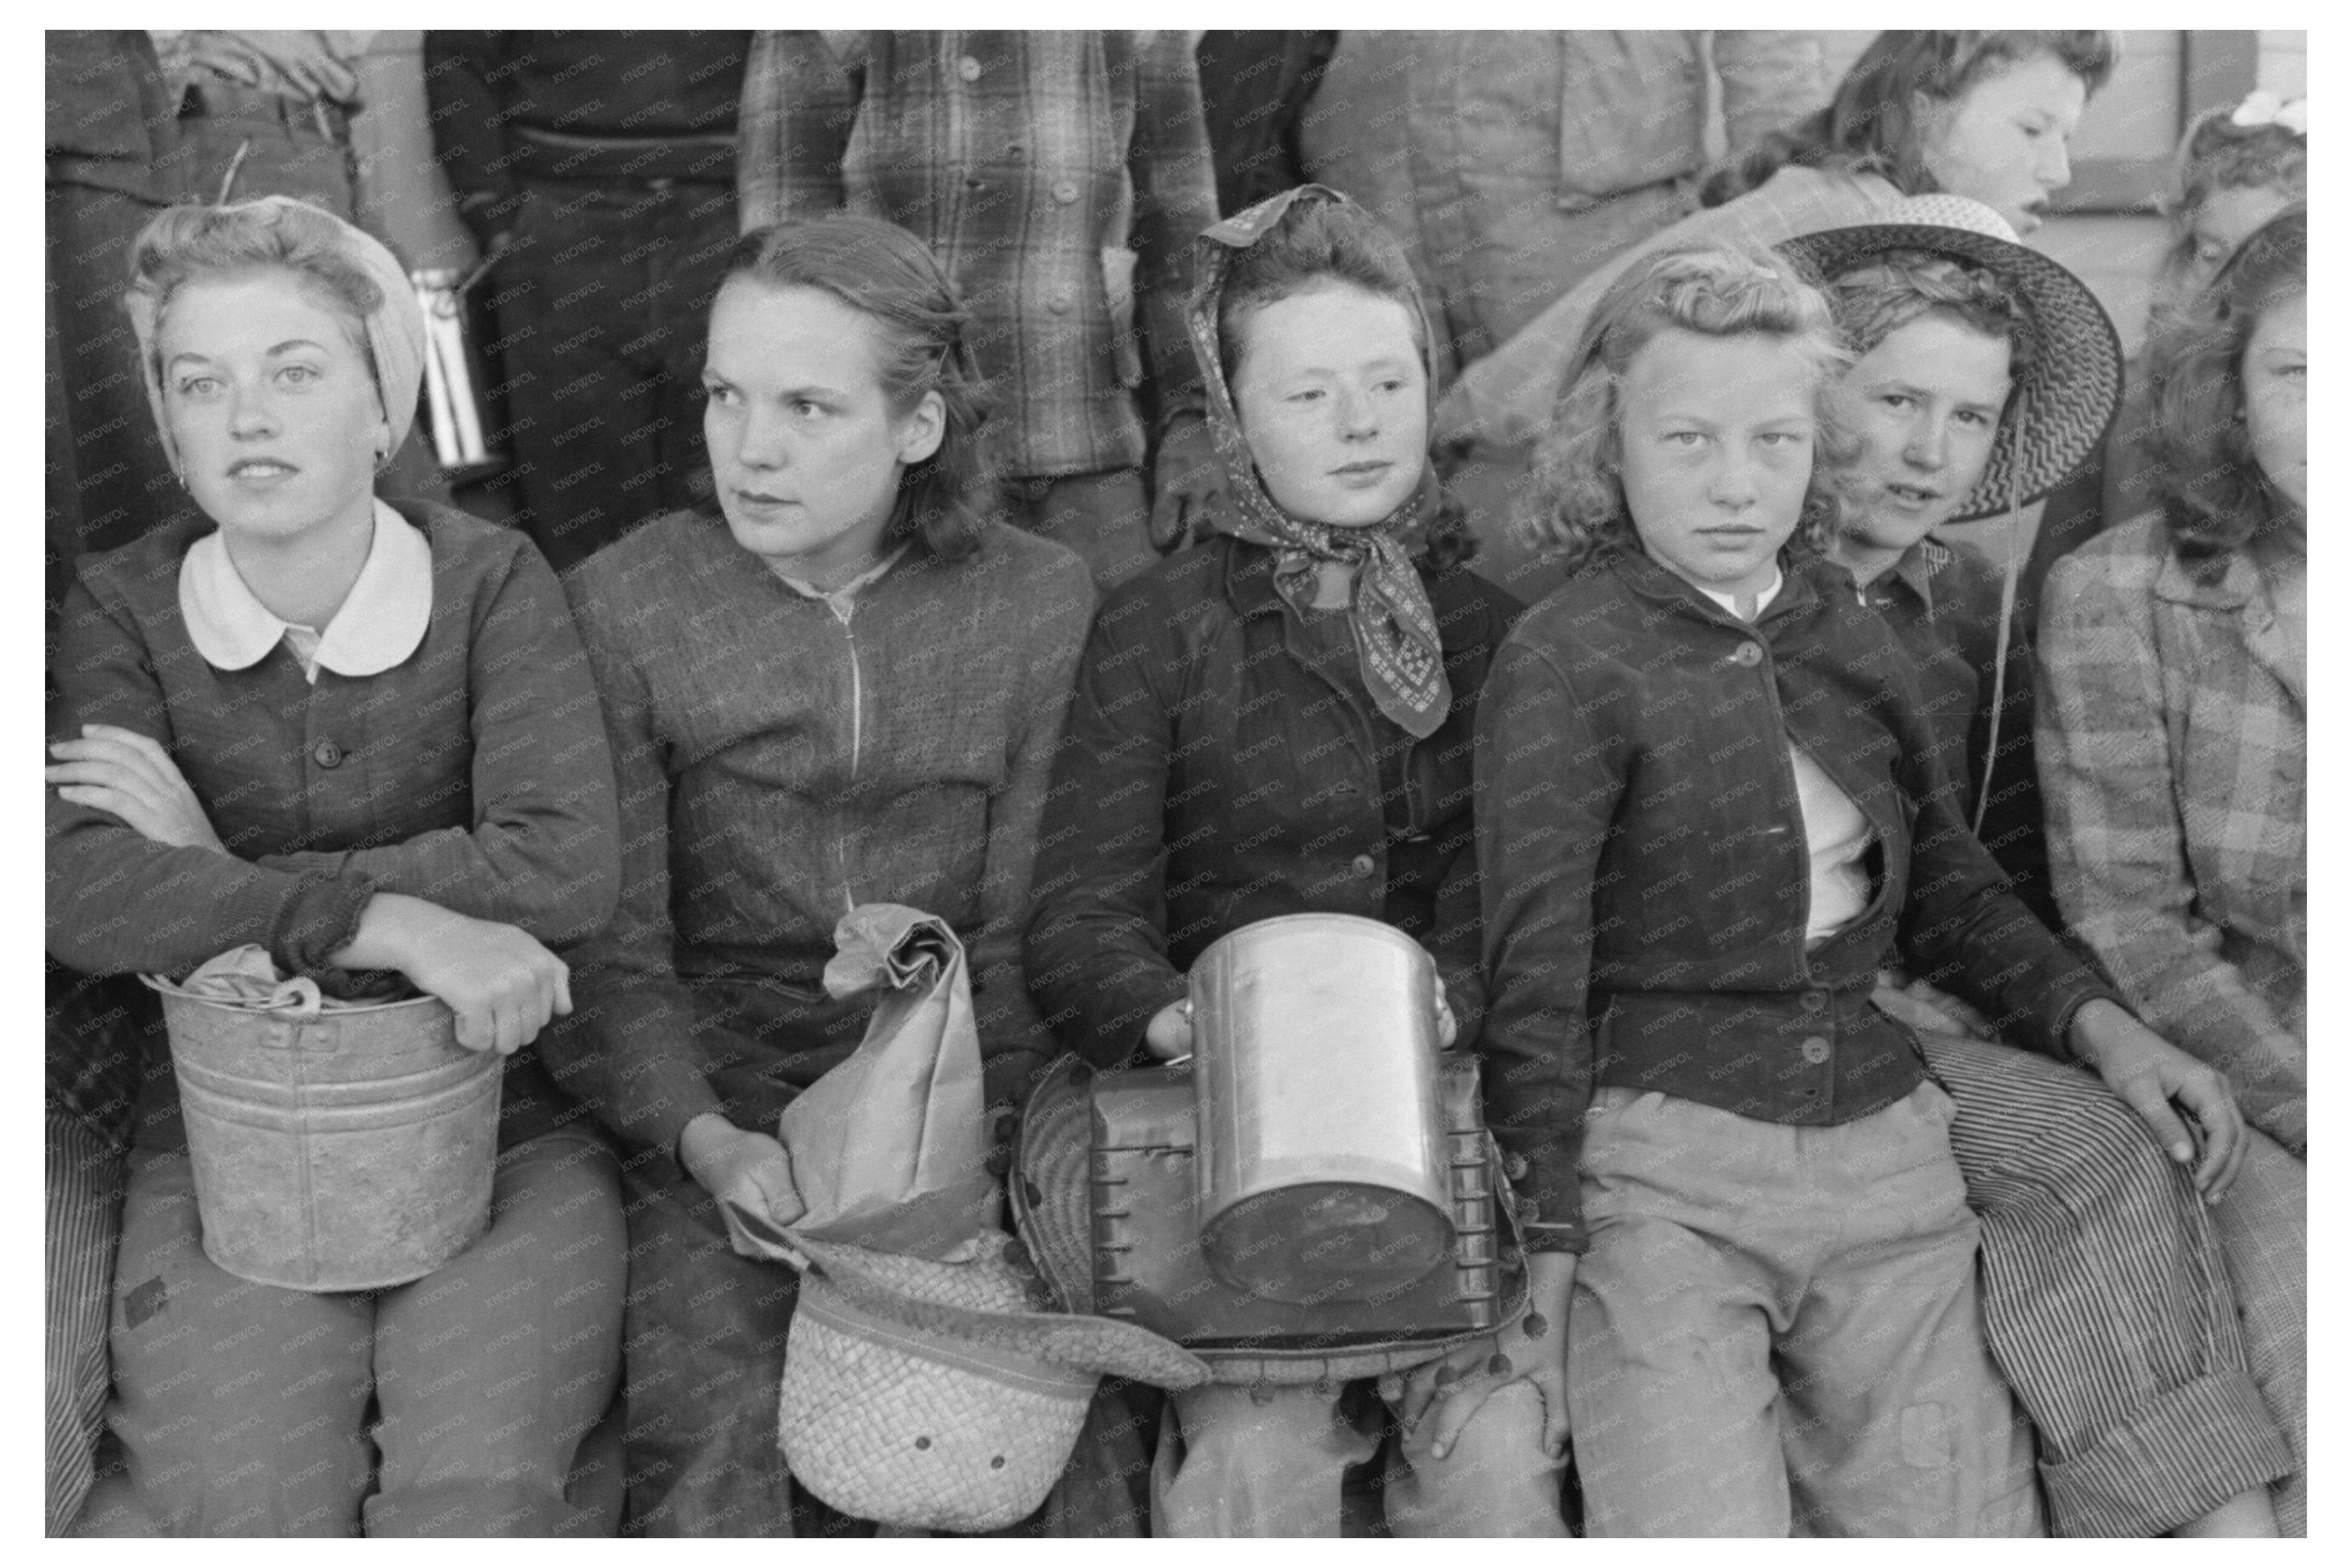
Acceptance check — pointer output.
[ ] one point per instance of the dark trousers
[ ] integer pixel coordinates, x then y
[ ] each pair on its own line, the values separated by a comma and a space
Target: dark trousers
603, 303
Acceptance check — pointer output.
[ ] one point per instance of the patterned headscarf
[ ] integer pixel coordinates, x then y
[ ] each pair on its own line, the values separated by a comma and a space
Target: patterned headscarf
395, 329
1397, 646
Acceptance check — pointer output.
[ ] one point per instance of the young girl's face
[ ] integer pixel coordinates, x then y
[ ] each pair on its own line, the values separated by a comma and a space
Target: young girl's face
2274, 373
2221, 222
1927, 402
804, 445
1717, 442
2003, 142
271, 403
1334, 404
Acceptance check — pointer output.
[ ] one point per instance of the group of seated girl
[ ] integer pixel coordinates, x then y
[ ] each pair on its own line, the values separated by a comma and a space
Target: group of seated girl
1690, 842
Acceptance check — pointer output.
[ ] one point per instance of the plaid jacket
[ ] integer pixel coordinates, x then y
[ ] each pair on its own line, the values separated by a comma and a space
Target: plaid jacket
2171, 748
1031, 163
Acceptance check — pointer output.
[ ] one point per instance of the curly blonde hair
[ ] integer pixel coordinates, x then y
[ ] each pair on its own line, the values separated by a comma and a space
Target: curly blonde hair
1576, 508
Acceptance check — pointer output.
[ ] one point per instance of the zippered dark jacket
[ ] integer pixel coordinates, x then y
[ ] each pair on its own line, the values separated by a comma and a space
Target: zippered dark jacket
1645, 882
1223, 763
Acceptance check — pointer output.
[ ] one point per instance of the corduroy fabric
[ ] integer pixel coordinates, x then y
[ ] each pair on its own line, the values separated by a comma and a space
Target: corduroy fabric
2265, 1226
82, 1209
778, 764
2170, 741
2106, 1304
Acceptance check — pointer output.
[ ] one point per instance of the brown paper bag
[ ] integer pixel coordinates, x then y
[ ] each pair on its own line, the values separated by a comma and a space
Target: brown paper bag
889, 1149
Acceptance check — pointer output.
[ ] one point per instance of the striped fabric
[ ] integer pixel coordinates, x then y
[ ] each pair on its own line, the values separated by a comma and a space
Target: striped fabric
2170, 740
2105, 1300
84, 1209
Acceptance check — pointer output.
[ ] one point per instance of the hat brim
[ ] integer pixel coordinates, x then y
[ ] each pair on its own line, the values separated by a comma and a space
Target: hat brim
1051, 1153
918, 1295
2071, 394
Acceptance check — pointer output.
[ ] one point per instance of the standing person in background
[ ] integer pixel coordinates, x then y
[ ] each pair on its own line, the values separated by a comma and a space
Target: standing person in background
2171, 746
599, 169
1514, 163
1060, 177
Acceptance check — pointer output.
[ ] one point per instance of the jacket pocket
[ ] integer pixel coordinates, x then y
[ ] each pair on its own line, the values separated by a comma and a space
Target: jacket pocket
1118, 292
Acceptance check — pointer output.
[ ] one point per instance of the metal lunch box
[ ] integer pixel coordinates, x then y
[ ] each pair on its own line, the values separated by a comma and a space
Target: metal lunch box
1322, 1172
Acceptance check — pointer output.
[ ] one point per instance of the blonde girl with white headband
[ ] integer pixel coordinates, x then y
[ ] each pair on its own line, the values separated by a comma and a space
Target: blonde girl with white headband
363, 737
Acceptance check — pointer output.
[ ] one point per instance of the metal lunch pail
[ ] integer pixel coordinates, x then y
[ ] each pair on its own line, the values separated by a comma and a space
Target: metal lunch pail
344, 1150
1321, 1167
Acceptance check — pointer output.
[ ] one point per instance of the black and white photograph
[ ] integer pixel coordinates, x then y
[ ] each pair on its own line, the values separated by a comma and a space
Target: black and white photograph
1175, 782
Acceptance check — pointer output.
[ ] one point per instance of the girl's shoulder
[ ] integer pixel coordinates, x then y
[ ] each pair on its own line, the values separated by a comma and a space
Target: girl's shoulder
141, 577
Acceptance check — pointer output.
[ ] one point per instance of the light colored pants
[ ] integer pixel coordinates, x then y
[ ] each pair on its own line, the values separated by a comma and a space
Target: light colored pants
2264, 1230
241, 1407
1777, 1330
1268, 1462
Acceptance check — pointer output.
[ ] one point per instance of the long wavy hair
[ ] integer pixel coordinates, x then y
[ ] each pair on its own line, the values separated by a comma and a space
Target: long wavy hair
1871, 127
885, 273
1315, 244
2214, 496
1576, 508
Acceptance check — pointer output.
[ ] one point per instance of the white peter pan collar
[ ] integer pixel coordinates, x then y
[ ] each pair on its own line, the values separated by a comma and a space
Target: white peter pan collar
381, 623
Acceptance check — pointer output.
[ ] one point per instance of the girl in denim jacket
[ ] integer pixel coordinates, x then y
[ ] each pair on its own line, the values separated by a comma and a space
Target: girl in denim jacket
1709, 810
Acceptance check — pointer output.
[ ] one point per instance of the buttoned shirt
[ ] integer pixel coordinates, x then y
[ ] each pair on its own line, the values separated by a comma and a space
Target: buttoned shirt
1060, 177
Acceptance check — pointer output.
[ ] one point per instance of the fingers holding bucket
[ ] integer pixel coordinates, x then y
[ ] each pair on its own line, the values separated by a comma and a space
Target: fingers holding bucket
501, 984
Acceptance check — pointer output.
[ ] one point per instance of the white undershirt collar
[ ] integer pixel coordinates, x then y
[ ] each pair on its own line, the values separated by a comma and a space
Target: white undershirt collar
1771, 591
381, 623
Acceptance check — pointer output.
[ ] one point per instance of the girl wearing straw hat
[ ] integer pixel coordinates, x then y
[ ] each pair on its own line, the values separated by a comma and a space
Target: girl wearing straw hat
1985, 372
2171, 747
364, 738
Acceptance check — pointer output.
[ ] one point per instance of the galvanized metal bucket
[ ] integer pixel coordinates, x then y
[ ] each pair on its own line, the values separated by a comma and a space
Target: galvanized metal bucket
344, 1150
1322, 1165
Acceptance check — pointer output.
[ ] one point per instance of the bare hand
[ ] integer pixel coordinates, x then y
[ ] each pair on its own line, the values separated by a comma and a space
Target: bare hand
2154, 1077
1452, 1389
499, 981
299, 63
1186, 479
132, 776
742, 1167
1447, 1029
1170, 1033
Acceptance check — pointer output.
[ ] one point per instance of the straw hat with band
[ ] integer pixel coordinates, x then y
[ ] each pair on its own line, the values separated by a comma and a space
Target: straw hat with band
942, 1395
2061, 407
1051, 1194
394, 328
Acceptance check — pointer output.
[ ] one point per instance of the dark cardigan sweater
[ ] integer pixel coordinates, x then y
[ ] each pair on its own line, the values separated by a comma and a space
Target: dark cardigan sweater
473, 775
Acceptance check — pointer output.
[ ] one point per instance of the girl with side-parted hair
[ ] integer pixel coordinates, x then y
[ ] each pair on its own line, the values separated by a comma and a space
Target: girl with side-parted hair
2171, 745
363, 737
842, 684
1709, 812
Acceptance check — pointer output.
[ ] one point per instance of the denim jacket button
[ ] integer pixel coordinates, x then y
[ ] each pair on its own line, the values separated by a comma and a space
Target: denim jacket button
1365, 865
1747, 655
1815, 1050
